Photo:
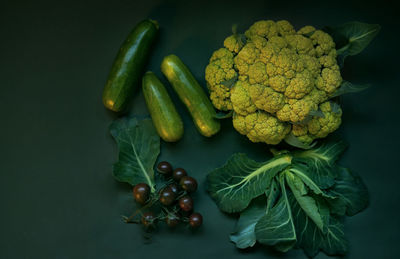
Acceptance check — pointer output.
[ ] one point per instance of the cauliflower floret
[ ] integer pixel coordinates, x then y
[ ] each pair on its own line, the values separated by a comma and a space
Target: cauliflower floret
320, 127
282, 75
241, 100
329, 80
266, 99
233, 44
261, 127
218, 71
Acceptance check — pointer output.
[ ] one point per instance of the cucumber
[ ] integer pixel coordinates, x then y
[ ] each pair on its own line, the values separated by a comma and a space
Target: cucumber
191, 94
165, 118
128, 66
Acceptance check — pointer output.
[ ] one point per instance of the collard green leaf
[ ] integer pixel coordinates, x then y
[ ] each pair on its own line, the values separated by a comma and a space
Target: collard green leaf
355, 35
272, 194
276, 227
347, 87
295, 142
303, 173
351, 192
243, 235
139, 146
241, 179
307, 203
311, 239
320, 162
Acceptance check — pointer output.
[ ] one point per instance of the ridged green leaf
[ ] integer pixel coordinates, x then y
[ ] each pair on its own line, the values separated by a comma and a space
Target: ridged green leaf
310, 238
241, 179
351, 192
276, 227
307, 203
320, 162
243, 235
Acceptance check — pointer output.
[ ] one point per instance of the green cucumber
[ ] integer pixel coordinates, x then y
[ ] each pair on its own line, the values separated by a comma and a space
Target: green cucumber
165, 118
191, 94
128, 66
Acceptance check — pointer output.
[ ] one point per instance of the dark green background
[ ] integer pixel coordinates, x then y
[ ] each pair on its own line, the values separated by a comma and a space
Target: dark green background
58, 198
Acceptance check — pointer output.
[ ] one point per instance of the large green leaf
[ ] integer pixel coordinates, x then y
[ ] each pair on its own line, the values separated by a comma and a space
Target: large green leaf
139, 146
243, 235
351, 192
276, 227
307, 203
320, 162
354, 36
310, 238
241, 179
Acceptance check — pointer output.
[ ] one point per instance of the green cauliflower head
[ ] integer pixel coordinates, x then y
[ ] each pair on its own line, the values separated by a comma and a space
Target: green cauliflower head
274, 79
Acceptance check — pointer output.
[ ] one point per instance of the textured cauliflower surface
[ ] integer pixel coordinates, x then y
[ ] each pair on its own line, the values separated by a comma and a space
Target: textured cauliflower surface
274, 79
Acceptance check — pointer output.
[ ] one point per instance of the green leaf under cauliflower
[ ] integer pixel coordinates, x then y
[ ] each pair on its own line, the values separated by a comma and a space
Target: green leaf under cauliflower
352, 194
139, 146
319, 163
241, 179
310, 238
307, 203
276, 227
243, 234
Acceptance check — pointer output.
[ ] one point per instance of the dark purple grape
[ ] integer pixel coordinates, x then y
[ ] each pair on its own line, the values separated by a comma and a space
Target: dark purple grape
141, 193
186, 203
195, 220
172, 220
148, 219
178, 174
164, 168
175, 188
188, 183
167, 196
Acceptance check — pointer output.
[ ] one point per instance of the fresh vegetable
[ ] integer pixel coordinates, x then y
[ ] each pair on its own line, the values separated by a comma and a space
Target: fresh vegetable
280, 82
174, 187
195, 220
191, 94
139, 146
167, 196
166, 119
128, 66
295, 199
178, 173
141, 193
188, 184
186, 203
164, 168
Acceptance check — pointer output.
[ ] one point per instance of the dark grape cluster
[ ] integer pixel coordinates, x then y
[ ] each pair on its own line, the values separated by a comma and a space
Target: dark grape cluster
172, 201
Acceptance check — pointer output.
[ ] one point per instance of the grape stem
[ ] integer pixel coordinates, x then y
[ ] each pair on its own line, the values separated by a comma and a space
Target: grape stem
129, 219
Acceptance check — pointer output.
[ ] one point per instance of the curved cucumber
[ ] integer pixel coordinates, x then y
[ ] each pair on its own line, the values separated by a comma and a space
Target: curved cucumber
128, 66
191, 94
165, 118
